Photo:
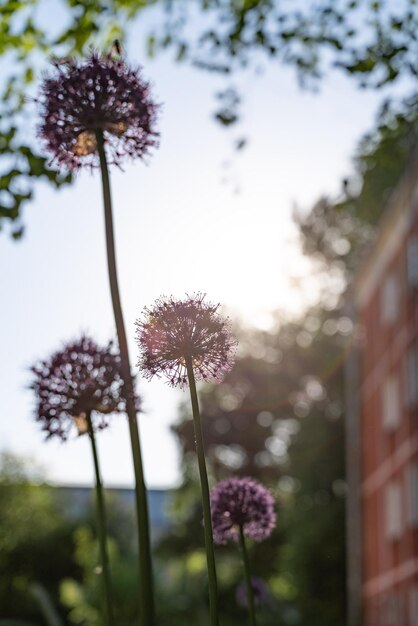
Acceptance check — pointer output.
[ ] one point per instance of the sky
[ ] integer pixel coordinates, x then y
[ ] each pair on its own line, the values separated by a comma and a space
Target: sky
197, 217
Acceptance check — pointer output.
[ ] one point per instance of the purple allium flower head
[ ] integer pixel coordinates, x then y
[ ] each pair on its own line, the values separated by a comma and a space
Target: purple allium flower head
175, 330
245, 503
260, 592
78, 380
100, 93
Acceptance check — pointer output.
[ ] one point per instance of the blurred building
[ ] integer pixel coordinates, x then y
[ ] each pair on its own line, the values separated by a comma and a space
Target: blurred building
382, 423
74, 501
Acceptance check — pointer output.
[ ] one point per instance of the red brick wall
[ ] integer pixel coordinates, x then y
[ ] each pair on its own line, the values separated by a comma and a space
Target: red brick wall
390, 563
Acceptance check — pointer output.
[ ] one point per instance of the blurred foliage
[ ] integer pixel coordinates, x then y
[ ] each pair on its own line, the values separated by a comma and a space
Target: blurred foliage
313, 556
36, 544
43, 544
278, 416
375, 41
335, 231
83, 597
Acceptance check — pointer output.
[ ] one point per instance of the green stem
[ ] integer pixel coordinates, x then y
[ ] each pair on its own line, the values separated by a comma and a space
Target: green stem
46, 605
210, 553
101, 524
250, 591
145, 564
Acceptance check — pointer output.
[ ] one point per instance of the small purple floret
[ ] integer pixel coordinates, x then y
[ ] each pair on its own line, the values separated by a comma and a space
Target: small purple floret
78, 380
260, 592
175, 330
245, 503
100, 93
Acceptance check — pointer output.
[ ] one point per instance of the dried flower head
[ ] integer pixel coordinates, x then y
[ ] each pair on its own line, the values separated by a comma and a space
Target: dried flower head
101, 93
79, 380
174, 331
260, 592
241, 503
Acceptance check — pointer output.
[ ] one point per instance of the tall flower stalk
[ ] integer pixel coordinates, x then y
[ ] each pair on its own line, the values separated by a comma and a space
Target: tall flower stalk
184, 340
77, 388
101, 525
247, 574
210, 553
145, 563
99, 112
242, 507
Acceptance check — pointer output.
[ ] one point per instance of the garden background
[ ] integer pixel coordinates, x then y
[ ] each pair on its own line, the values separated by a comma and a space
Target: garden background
273, 209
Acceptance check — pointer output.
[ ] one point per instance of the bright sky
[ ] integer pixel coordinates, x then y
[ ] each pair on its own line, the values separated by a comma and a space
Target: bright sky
180, 227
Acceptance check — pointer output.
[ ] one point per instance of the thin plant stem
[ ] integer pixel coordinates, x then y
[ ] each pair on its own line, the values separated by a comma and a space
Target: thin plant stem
146, 594
210, 553
46, 605
250, 591
101, 526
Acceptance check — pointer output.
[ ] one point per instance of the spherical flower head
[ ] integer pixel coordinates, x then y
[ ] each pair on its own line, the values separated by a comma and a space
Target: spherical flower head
241, 503
173, 332
260, 592
81, 379
100, 93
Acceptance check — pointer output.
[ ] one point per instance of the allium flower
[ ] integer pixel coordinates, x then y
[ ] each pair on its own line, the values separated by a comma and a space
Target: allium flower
173, 331
100, 93
241, 503
78, 380
260, 593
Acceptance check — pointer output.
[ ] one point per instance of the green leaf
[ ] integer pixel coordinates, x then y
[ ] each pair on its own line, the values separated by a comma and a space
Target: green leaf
18, 233
151, 46
226, 118
29, 75
181, 52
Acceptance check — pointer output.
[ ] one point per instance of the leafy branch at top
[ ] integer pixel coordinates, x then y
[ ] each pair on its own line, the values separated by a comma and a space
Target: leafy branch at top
373, 41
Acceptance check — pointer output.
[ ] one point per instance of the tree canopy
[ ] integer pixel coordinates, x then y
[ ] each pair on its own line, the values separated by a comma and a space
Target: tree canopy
371, 40
335, 230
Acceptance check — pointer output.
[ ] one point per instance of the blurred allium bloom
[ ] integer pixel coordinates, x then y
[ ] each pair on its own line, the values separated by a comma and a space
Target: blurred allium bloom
99, 93
241, 503
260, 592
175, 330
80, 379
